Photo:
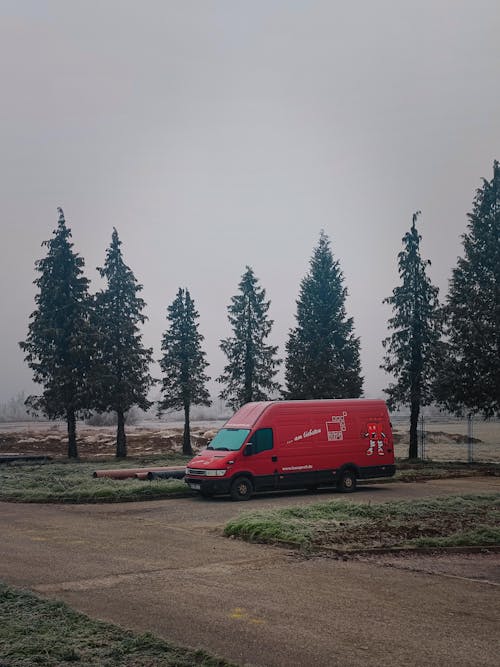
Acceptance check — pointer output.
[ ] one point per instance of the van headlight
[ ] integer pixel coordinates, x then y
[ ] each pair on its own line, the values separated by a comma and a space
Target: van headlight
215, 473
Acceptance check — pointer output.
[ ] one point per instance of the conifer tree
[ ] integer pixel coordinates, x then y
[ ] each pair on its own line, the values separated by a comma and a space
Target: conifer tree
322, 350
411, 348
59, 343
251, 363
469, 375
183, 363
122, 376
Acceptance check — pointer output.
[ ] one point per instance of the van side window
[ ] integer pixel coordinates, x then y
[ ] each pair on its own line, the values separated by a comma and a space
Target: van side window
262, 440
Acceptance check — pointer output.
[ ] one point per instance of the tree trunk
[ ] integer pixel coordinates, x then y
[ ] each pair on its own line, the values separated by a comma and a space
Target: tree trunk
186, 440
71, 421
414, 413
121, 438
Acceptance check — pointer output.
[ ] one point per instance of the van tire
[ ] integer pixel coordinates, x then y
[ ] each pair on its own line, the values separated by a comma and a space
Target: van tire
347, 481
241, 489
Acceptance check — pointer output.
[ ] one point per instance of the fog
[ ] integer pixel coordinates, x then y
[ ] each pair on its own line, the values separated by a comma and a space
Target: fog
219, 133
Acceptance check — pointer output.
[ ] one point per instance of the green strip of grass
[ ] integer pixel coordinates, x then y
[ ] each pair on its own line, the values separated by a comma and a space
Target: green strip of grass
472, 520
72, 482
35, 631
484, 536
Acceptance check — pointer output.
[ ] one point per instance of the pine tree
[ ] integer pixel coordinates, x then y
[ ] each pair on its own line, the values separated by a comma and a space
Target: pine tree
469, 375
322, 350
122, 376
183, 363
252, 364
412, 347
59, 343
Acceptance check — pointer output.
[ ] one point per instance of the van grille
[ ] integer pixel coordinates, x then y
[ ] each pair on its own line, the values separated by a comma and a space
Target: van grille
195, 471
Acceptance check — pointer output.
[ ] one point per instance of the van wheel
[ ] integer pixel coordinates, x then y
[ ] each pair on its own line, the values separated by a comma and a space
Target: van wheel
241, 489
347, 482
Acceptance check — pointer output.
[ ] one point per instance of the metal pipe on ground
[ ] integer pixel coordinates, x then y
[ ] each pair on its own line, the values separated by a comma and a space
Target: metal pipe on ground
171, 474
24, 458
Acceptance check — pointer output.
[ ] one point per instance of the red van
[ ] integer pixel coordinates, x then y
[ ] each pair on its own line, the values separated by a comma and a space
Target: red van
296, 444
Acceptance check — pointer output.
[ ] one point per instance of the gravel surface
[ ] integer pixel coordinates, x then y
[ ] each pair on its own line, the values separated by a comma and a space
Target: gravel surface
164, 566
483, 567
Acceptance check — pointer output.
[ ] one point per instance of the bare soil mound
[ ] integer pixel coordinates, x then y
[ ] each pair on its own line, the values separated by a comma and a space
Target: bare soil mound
50, 439
99, 442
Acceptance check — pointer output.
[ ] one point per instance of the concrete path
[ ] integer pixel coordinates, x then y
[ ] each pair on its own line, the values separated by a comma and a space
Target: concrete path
164, 567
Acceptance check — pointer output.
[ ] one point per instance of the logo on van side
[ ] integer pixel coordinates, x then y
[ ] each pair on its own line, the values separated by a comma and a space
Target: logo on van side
336, 428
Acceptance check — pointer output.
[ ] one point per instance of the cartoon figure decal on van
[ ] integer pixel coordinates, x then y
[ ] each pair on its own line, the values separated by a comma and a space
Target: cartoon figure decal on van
336, 428
376, 438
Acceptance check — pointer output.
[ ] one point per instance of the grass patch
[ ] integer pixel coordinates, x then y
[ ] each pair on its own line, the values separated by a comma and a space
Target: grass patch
35, 631
408, 470
471, 520
483, 536
72, 482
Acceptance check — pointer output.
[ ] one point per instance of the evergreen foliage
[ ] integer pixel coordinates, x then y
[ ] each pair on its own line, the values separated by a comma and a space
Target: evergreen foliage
183, 363
251, 363
469, 375
322, 350
121, 378
412, 347
59, 345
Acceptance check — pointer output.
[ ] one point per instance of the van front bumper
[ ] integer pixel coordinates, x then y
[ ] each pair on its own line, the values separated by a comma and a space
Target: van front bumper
208, 486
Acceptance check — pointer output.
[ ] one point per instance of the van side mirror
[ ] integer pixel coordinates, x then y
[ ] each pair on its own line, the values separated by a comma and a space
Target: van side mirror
248, 451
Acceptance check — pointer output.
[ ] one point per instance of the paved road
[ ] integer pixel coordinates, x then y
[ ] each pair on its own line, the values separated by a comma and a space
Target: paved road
163, 566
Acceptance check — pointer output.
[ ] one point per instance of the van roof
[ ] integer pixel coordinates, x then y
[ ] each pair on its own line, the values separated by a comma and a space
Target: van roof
249, 413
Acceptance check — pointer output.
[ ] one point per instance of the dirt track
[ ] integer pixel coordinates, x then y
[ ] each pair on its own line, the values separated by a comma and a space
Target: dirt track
163, 566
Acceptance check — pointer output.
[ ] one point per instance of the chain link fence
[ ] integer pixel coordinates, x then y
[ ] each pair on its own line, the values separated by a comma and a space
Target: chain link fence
450, 439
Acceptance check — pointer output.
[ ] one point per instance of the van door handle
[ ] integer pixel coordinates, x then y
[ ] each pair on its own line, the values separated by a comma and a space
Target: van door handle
274, 458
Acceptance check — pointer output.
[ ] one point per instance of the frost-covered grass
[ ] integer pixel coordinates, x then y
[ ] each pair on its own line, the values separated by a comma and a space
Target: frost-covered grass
35, 631
73, 482
471, 520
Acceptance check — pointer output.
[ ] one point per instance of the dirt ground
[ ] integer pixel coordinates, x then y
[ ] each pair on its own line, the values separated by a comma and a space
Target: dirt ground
164, 567
95, 442
467, 566
446, 441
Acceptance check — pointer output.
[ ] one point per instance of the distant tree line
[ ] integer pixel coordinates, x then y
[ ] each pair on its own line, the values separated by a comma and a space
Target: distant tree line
86, 351
15, 409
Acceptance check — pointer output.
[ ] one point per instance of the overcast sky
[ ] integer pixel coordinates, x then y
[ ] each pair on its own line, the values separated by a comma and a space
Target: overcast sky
219, 133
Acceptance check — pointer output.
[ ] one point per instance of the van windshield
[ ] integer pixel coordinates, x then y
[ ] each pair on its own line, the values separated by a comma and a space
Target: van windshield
229, 439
